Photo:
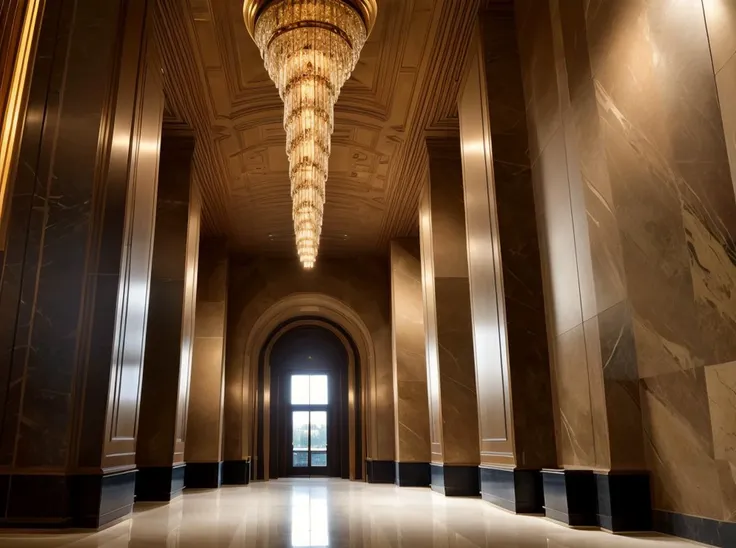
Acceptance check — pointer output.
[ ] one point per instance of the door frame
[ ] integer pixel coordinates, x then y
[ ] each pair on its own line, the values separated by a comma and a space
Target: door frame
269, 410
309, 470
282, 426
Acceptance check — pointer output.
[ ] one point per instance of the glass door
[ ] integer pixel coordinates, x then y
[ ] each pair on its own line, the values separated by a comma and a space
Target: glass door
309, 406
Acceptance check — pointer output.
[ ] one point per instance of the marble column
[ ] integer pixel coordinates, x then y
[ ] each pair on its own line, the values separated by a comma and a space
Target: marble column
73, 299
166, 375
512, 359
453, 407
411, 406
203, 451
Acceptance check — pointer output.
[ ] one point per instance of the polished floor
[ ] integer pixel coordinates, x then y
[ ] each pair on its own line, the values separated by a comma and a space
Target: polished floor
332, 513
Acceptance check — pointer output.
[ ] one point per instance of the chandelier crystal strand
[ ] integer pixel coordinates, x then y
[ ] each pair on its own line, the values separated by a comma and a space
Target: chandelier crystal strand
310, 48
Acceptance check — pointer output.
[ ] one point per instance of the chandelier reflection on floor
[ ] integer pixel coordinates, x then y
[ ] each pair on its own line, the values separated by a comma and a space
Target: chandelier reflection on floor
310, 48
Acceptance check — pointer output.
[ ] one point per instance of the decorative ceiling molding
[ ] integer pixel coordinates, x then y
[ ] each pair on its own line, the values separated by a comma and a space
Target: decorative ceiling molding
404, 87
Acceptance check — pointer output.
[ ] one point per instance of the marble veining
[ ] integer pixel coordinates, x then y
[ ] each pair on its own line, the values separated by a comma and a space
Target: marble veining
411, 403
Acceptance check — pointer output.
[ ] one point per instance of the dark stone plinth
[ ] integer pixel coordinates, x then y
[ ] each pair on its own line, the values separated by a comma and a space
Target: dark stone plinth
236, 472
455, 481
203, 475
380, 471
570, 496
55, 501
624, 501
413, 474
159, 483
519, 491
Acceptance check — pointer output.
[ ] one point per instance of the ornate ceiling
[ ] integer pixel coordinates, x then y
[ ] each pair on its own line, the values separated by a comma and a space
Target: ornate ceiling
404, 86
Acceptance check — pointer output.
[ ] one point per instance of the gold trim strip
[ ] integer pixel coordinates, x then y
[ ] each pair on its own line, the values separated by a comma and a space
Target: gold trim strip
367, 9
14, 106
310, 25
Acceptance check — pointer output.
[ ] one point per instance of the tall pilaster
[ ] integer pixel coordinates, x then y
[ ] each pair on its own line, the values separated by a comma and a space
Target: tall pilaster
165, 390
448, 324
512, 360
73, 300
203, 452
411, 406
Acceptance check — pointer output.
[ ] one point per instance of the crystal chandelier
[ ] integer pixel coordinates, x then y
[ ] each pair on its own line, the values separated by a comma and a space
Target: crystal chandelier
310, 48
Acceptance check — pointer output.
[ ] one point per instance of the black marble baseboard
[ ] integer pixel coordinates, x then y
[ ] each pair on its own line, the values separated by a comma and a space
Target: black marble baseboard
380, 471
516, 490
159, 483
455, 481
413, 474
102, 500
703, 530
570, 496
236, 472
203, 475
624, 501
57, 501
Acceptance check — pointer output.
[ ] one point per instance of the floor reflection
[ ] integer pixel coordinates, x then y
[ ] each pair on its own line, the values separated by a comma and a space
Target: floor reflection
309, 523
335, 513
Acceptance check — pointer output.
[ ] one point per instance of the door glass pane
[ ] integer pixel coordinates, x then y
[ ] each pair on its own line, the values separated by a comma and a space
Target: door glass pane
301, 459
318, 390
319, 459
319, 430
318, 446
300, 438
300, 389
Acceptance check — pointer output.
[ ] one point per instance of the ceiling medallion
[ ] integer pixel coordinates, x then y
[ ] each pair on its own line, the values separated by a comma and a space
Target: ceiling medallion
310, 48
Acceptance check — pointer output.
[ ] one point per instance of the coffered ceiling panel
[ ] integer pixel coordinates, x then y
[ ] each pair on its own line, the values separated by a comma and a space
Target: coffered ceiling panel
404, 86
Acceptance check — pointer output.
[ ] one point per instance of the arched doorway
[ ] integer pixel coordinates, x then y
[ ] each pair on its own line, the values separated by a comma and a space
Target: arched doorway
308, 418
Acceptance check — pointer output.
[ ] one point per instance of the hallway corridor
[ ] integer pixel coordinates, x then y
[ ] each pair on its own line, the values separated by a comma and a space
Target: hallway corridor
303, 513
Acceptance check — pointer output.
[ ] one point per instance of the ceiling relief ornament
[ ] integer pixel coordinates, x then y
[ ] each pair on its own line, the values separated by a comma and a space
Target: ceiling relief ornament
309, 48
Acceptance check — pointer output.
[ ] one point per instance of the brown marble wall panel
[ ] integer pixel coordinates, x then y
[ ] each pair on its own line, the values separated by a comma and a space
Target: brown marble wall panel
166, 371
411, 405
597, 247
504, 247
362, 284
79, 230
721, 390
459, 400
553, 203
582, 265
675, 210
575, 430
124, 389
680, 450
720, 16
491, 356
449, 340
430, 328
188, 320
648, 136
206, 393
538, 72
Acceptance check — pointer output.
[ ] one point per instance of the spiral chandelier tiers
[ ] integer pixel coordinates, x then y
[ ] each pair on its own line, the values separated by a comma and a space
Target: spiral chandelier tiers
310, 48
